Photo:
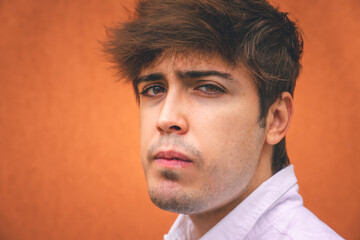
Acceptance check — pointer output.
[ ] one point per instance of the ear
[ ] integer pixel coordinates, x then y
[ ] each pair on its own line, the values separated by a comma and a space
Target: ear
279, 117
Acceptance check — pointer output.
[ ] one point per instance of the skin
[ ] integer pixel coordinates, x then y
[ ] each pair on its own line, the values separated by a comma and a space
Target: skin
214, 120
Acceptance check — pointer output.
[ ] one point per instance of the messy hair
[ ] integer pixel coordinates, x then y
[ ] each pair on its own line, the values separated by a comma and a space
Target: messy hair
250, 33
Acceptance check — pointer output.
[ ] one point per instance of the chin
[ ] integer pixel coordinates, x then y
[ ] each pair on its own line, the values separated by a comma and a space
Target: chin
171, 198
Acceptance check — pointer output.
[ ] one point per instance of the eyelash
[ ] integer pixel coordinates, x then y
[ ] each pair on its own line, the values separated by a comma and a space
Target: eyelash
216, 90
147, 89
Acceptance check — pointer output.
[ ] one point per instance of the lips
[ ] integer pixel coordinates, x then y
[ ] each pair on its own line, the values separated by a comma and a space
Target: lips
172, 155
172, 159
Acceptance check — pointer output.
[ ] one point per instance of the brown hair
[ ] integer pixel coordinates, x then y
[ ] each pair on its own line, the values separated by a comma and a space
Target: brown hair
251, 33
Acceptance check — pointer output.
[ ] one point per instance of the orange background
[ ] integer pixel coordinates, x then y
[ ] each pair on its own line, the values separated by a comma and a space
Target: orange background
69, 138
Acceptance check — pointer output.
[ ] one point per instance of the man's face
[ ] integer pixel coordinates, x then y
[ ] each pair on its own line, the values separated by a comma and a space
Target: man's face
200, 136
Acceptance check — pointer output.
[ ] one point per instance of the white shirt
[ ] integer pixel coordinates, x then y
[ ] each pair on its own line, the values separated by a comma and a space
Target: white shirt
273, 211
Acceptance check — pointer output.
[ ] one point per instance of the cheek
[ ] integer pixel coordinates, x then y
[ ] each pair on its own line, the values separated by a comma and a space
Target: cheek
147, 130
148, 118
225, 126
229, 135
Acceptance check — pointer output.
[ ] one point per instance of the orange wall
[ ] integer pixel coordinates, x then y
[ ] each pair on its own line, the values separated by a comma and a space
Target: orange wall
69, 147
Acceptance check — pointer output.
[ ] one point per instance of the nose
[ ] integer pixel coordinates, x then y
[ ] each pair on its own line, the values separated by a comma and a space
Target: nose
172, 118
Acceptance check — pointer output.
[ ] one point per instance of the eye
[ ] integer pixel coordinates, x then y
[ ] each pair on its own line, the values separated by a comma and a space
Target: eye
153, 91
210, 89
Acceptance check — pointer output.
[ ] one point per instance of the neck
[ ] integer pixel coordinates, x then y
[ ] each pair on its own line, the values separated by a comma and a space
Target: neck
204, 221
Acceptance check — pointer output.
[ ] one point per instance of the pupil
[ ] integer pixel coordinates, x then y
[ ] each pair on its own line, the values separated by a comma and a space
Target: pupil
210, 88
157, 89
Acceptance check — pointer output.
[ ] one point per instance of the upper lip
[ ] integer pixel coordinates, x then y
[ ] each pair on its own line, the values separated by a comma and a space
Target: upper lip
172, 155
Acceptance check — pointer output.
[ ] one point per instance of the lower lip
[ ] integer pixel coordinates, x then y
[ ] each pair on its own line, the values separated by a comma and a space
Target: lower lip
173, 163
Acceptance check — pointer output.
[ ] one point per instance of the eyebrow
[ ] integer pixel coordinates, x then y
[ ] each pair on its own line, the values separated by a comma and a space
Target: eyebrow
184, 75
200, 74
150, 78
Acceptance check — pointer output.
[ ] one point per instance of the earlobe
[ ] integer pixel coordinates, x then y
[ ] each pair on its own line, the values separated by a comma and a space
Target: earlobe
279, 118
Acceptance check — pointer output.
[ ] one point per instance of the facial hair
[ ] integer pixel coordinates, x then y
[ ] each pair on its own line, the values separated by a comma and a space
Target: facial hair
179, 202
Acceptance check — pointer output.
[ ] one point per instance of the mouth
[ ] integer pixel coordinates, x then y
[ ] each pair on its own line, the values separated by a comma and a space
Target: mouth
172, 159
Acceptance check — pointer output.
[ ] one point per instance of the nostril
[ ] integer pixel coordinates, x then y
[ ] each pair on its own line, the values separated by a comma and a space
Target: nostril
175, 127
160, 129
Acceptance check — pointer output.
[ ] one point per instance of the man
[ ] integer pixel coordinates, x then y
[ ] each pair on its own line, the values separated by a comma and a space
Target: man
215, 81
